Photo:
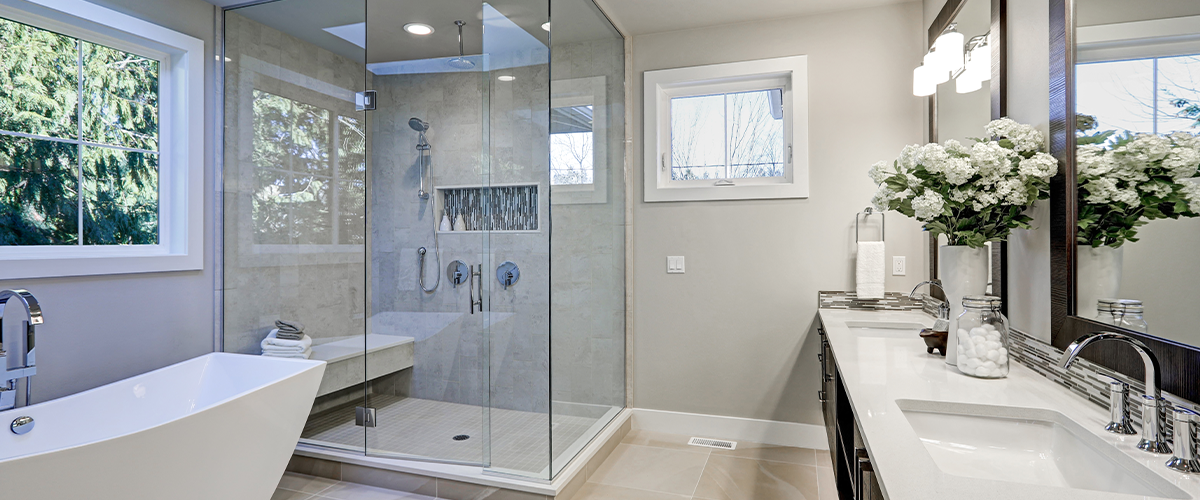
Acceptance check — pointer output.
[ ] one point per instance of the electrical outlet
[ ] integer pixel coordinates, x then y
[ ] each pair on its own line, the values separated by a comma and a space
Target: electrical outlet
898, 265
675, 264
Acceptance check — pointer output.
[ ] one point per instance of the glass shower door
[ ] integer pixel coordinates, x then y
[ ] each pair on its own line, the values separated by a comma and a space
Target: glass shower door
427, 351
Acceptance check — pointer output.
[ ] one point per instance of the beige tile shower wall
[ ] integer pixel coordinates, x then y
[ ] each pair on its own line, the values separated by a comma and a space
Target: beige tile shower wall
324, 287
588, 250
454, 362
735, 335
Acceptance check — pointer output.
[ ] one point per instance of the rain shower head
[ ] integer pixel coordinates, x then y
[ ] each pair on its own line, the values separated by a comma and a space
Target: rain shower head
418, 124
460, 62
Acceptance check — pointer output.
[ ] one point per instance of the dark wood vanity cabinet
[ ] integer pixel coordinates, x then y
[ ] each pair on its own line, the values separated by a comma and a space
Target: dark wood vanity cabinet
852, 469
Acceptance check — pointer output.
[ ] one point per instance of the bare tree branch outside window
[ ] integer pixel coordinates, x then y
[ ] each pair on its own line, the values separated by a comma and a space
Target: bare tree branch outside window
727, 136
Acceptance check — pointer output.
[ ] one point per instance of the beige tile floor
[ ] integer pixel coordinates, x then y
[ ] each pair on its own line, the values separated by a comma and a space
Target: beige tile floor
654, 466
651, 466
301, 487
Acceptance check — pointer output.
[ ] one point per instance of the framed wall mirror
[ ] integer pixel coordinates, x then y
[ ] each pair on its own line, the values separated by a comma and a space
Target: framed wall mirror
1125, 119
960, 112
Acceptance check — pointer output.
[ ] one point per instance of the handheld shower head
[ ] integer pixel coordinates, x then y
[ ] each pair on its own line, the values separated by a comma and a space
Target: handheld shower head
418, 124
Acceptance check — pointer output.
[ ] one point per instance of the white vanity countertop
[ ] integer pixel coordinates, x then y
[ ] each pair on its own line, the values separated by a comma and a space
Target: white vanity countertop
877, 371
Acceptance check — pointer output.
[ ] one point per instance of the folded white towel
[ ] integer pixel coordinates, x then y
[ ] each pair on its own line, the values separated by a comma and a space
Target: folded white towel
305, 354
283, 350
274, 342
870, 270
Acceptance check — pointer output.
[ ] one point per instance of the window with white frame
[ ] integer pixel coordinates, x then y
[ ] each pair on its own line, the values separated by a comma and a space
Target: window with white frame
101, 161
309, 165
727, 131
579, 140
305, 174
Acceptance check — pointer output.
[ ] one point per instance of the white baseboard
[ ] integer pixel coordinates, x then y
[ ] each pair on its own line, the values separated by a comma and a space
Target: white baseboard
732, 428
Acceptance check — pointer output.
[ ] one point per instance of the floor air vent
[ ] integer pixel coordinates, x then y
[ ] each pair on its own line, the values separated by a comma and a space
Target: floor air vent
713, 443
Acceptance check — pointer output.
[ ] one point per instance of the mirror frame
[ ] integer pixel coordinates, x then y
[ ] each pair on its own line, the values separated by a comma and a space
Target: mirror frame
1180, 362
999, 91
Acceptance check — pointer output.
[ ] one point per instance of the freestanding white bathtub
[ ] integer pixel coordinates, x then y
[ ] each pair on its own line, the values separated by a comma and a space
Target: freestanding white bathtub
220, 426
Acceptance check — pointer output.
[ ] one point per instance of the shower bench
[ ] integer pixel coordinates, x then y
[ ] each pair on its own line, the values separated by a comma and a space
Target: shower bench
344, 358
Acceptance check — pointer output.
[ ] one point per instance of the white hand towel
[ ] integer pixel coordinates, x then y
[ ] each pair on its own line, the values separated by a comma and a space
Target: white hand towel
305, 354
274, 342
870, 270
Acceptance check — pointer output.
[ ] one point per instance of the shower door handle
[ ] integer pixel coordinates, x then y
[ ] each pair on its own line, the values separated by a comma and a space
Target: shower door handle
476, 277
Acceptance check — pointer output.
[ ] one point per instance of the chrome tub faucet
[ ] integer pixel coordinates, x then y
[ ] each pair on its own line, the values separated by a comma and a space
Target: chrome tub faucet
17, 344
1153, 421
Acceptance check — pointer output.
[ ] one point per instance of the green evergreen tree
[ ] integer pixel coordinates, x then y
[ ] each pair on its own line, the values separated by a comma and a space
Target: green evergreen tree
41, 196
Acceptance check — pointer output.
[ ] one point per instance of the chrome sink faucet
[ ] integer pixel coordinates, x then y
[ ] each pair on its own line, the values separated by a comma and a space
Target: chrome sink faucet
1153, 422
17, 350
943, 321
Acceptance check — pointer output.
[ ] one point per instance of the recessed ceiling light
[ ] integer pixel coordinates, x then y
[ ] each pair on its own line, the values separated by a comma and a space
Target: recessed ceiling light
546, 25
418, 28
506, 78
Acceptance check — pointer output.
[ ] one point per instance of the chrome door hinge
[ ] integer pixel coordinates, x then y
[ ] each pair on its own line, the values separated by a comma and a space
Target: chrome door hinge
364, 416
364, 101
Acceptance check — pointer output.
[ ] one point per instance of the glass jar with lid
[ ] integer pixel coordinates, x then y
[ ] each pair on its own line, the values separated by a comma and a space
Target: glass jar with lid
982, 338
1129, 313
1104, 311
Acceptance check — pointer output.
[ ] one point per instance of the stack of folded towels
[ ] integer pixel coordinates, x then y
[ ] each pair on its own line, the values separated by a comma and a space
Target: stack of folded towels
287, 340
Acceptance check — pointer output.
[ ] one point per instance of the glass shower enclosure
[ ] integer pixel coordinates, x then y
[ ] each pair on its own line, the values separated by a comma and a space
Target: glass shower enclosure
435, 191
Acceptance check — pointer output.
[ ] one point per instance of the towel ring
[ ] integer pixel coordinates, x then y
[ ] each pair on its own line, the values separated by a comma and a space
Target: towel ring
867, 213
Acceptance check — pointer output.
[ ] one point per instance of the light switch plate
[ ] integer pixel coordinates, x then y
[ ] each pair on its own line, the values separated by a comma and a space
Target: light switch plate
675, 264
898, 265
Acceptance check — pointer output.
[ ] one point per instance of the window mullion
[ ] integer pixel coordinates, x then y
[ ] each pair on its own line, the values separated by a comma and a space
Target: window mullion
1154, 96
725, 132
334, 163
79, 136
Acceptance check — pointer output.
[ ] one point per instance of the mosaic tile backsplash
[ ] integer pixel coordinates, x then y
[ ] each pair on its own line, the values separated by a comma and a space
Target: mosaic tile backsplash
891, 301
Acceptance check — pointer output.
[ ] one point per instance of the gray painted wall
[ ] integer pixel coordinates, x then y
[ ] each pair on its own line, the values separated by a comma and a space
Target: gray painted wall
735, 335
100, 329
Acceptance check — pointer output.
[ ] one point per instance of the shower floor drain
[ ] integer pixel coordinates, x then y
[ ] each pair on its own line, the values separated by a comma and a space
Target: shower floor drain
461, 437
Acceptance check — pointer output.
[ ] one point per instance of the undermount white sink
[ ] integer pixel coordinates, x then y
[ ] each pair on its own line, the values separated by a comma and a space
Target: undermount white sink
885, 329
884, 325
1027, 445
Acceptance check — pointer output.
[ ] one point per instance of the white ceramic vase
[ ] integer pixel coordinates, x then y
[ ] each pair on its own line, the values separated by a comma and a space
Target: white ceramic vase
963, 271
1097, 276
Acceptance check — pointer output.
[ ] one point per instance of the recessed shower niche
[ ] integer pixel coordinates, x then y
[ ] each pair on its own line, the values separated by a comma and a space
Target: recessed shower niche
489, 208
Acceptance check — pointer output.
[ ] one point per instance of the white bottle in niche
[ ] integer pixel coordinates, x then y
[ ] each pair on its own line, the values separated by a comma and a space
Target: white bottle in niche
445, 225
459, 225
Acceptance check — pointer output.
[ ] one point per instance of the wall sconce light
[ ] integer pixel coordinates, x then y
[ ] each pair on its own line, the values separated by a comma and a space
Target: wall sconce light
969, 64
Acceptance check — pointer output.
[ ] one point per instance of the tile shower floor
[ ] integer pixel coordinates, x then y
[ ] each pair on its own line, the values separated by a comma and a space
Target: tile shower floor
426, 428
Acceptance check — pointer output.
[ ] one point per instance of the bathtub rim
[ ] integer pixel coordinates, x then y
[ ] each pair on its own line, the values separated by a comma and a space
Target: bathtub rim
312, 365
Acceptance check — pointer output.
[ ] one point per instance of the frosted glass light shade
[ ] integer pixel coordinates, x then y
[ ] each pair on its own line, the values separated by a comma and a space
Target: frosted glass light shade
933, 68
923, 82
980, 64
949, 50
967, 83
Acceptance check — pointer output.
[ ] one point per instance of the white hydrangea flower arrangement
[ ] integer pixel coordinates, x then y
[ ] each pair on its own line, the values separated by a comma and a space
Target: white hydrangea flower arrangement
1136, 179
972, 194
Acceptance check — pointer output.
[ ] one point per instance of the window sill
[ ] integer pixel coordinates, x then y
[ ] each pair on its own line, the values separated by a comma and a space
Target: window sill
57, 262
771, 191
